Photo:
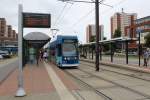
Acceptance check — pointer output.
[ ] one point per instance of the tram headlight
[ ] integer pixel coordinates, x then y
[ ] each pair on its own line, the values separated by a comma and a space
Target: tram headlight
65, 58
75, 58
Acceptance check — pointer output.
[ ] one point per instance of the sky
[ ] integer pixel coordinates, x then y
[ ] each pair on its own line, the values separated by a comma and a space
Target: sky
71, 18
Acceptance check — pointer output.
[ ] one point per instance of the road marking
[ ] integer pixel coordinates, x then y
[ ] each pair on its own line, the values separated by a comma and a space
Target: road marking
61, 89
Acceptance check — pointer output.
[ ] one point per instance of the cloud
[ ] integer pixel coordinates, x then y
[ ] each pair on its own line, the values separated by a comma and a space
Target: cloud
72, 14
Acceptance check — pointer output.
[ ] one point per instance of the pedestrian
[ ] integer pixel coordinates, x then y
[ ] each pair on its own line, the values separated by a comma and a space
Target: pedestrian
45, 56
37, 57
148, 50
145, 56
41, 55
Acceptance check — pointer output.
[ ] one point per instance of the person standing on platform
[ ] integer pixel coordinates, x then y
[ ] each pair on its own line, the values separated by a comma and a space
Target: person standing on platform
41, 55
148, 50
37, 57
45, 55
145, 56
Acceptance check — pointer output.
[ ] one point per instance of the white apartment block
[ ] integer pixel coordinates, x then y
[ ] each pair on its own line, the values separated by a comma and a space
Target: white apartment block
90, 31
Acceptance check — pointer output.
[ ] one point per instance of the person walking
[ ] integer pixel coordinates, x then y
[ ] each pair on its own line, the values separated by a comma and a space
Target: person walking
148, 51
145, 56
45, 56
41, 55
37, 57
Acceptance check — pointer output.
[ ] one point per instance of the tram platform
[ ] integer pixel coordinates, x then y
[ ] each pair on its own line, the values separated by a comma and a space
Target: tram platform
47, 82
42, 82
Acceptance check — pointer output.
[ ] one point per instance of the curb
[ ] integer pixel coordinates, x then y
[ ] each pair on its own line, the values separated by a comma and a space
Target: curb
9, 73
127, 67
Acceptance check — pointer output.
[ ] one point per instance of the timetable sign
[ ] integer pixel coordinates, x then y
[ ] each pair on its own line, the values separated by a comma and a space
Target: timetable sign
36, 20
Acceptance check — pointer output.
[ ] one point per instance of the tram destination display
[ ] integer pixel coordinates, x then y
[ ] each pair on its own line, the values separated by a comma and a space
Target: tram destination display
36, 20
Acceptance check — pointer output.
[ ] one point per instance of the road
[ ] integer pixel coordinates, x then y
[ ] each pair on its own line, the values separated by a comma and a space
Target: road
6, 67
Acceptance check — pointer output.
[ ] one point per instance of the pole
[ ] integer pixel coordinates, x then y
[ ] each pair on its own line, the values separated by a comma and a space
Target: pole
126, 51
92, 52
97, 34
139, 49
100, 51
111, 50
20, 91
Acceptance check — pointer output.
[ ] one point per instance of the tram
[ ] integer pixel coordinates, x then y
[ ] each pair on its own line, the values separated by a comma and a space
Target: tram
64, 51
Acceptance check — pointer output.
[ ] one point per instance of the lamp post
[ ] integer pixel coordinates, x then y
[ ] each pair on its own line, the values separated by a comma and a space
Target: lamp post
139, 49
97, 34
139, 44
20, 92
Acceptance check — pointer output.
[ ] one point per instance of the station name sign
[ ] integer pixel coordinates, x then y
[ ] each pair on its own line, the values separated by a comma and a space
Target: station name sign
36, 20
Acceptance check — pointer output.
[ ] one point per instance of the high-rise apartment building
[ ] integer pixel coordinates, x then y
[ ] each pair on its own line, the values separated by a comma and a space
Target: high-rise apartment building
9, 30
13, 34
90, 31
2, 27
7, 35
120, 20
16, 36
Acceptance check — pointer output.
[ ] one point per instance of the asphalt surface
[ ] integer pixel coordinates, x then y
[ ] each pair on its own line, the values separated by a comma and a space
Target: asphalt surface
6, 67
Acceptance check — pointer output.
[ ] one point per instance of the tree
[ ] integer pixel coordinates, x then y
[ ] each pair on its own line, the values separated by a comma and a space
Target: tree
106, 47
104, 38
93, 38
147, 40
117, 33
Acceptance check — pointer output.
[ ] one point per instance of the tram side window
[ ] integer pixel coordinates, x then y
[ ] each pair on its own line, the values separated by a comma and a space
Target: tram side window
59, 50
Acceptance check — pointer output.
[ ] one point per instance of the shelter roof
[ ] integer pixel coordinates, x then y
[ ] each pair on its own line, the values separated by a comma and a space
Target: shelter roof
36, 36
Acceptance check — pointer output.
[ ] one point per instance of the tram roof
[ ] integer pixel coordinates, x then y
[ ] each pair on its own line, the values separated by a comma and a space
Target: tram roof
58, 38
120, 39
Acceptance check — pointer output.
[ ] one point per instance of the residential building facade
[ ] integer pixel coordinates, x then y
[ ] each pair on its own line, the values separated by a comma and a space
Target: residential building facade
90, 31
120, 20
142, 24
8, 36
2, 27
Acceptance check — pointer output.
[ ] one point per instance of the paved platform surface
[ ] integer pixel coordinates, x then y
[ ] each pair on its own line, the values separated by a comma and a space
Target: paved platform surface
39, 83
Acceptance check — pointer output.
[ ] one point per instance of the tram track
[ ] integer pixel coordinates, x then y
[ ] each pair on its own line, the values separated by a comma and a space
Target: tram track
88, 85
122, 86
131, 75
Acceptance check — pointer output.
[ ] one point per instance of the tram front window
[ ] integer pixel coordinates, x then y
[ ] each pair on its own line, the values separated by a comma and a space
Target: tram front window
69, 49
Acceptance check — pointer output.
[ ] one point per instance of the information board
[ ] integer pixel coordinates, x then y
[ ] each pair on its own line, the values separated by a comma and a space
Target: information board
36, 20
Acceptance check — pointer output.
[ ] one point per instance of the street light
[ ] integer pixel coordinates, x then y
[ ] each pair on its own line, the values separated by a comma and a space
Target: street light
139, 47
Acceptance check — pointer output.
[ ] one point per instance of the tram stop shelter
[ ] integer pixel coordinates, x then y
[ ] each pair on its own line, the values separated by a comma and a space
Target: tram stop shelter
86, 49
32, 43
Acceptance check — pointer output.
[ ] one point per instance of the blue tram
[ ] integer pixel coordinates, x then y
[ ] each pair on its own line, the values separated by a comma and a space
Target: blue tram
64, 51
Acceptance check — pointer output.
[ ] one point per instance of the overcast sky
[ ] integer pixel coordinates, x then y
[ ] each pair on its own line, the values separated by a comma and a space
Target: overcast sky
74, 18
